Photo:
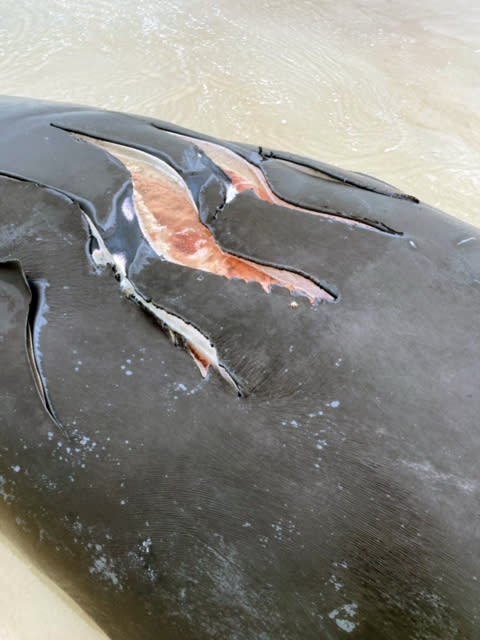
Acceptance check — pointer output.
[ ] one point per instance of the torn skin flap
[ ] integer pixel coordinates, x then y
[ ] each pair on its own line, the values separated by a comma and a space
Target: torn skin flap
199, 346
170, 221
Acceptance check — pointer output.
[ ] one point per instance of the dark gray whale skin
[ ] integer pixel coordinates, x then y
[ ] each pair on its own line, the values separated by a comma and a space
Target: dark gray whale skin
337, 495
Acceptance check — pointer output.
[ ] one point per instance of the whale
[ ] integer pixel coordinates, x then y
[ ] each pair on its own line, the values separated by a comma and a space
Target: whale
239, 388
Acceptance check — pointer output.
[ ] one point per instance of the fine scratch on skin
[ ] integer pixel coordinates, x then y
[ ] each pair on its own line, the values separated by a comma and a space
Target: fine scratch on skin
170, 221
199, 346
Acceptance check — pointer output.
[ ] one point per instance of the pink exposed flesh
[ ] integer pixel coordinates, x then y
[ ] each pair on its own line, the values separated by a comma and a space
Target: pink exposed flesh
246, 176
171, 223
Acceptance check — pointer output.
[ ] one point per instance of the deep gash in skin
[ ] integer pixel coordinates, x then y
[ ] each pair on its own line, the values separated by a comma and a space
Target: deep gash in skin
239, 392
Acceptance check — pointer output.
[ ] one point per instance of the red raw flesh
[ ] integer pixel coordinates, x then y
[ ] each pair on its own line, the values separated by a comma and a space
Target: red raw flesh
171, 223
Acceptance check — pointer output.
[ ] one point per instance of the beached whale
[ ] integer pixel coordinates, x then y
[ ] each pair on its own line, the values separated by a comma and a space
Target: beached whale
239, 389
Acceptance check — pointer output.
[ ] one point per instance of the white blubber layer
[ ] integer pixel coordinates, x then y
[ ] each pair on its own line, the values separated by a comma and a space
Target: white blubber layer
201, 349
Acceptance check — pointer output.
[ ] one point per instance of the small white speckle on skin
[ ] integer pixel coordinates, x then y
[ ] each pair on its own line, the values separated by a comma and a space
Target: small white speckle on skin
336, 583
146, 544
128, 372
263, 540
350, 610
345, 625
104, 567
335, 404
16, 468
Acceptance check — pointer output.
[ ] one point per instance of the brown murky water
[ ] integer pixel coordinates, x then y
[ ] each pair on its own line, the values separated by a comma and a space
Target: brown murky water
390, 89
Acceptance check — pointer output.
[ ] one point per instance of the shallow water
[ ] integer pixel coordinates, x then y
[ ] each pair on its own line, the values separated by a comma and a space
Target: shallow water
389, 89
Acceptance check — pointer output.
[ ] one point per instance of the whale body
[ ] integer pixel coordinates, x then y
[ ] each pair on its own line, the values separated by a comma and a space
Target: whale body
239, 388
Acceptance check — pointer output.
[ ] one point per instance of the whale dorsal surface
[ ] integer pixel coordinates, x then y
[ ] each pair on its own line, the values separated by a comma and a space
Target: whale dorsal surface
239, 389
